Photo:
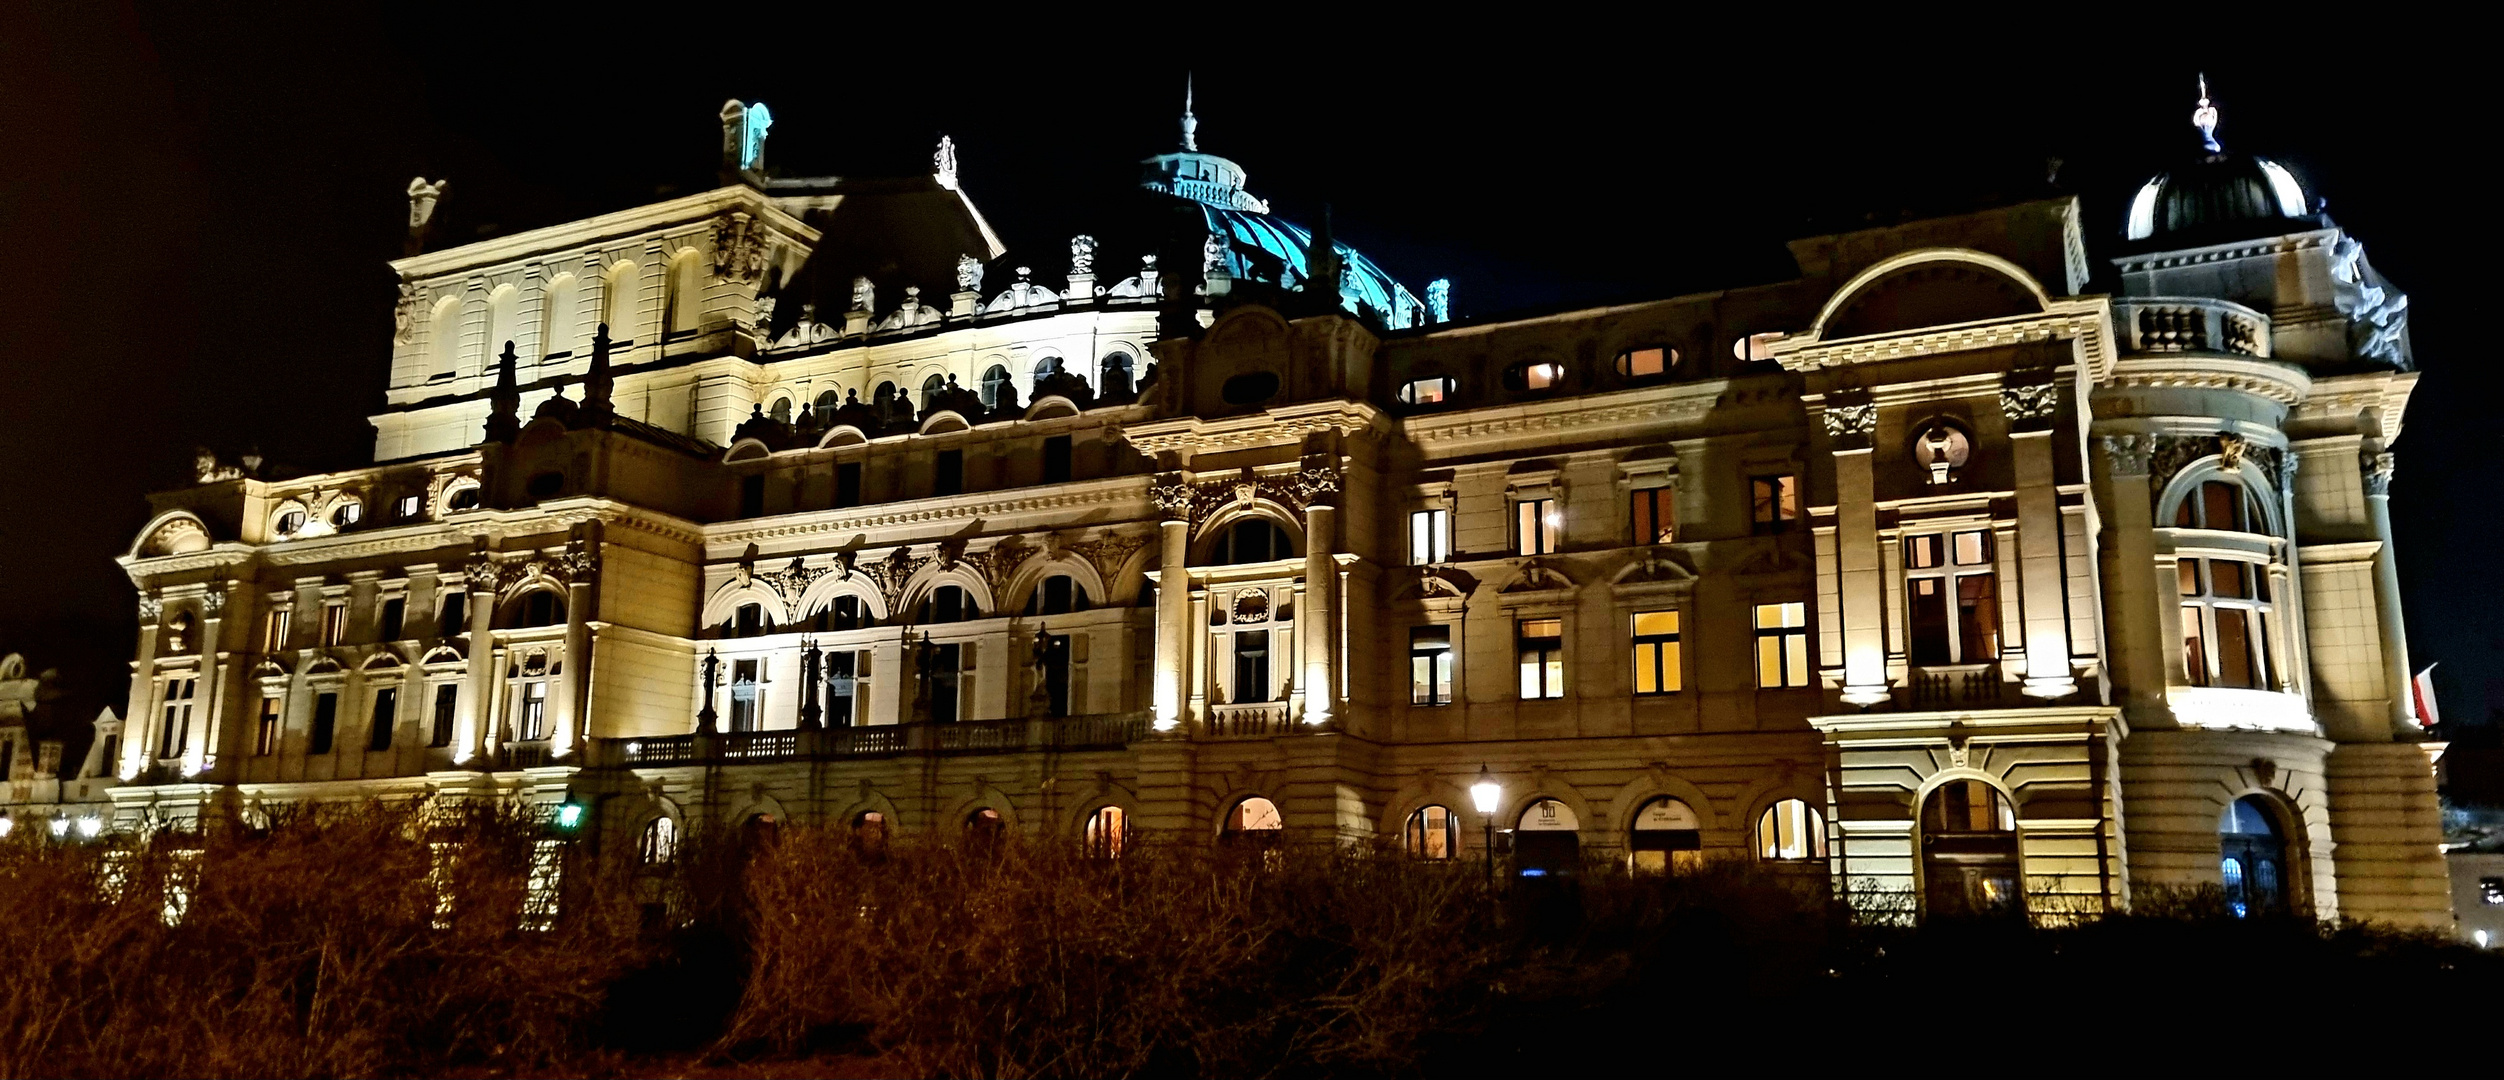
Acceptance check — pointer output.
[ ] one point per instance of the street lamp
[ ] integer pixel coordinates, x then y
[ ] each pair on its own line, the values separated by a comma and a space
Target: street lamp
1485, 793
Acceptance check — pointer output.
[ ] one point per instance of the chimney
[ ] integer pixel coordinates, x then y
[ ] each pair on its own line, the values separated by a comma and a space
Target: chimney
422, 199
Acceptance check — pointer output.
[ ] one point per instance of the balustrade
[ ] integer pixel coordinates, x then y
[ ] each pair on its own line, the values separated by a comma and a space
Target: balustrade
2167, 324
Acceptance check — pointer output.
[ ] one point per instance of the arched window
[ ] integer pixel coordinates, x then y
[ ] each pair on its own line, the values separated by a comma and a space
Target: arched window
1113, 374
1433, 834
1969, 852
984, 829
346, 514
883, 400
827, 402
1108, 832
869, 833
538, 607
1547, 840
686, 293
621, 296
2222, 503
1047, 367
1254, 823
1667, 838
947, 604
557, 310
2253, 858
443, 339
781, 411
1791, 830
1059, 594
659, 843
503, 325
932, 387
1252, 540
993, 381
748, 620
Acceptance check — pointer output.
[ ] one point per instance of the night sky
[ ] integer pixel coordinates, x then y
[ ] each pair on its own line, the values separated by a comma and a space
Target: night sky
197, 204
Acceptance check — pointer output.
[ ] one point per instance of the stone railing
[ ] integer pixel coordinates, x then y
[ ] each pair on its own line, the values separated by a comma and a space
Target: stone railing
2178, 324
1250, 720
1110, 731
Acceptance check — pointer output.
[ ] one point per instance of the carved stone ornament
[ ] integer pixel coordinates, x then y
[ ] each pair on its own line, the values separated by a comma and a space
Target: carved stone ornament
1110, 552
151, 608
792, 580
864, 295
2377, 465
1171, 496
1851, 421
891, 573
2029, 401
1318, 484
739, 247
212, 604
404, 315
1082, 251
968, 274
2170, 454
487, 577
1213, 255
577, 564
2230, 449
2128, 454
1942, 449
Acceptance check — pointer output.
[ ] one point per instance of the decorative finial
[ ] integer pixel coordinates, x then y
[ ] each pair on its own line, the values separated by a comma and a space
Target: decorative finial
1190, 123
2205, 118
943, 163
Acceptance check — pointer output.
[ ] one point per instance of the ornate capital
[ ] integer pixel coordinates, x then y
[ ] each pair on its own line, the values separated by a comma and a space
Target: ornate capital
151, 608
1319, 483
2030, 405
577, 565
2377, 465
486, 577
212, 603
1850, 422
2128, 454
1171, 496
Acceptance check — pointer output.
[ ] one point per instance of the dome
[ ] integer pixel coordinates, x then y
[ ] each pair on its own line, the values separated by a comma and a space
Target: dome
1261, 246
2218, 195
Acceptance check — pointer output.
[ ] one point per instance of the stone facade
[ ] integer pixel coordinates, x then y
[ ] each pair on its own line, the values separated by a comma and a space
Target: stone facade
1928, 574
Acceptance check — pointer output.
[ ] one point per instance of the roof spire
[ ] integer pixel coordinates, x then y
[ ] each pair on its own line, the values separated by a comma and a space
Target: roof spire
1190, 123
2205, 118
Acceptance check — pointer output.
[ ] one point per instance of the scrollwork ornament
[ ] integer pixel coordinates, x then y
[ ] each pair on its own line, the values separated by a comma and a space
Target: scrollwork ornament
151, 608
2029, 401
1171, 497
2128, 454
212, 604
1851, 422
1318, 485
485, 576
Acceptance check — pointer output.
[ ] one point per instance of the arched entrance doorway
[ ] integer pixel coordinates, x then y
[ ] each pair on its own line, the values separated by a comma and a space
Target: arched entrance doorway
1547, 841
1667, 838
2252, 859
1969, 851
1255, 823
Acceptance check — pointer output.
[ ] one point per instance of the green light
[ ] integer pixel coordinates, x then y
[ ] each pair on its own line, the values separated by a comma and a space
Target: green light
569, 815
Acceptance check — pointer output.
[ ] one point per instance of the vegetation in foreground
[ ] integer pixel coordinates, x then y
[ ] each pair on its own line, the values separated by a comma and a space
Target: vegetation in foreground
382, 942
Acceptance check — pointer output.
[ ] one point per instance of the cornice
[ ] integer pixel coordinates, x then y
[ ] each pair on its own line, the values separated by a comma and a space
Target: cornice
2086, 320
2340, 397
1127, 492
2240, 249
2286, 384
594, 230
1677, 403
1288, 424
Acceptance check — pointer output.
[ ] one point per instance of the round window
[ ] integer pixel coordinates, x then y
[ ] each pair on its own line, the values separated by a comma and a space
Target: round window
1250, 388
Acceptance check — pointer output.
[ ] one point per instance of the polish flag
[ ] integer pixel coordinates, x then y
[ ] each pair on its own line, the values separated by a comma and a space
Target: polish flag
2422, 687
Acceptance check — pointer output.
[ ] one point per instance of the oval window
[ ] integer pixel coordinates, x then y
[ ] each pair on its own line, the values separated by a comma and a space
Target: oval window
463, 499
1433, 391
1250, 388
346, 514
1544, 375
1651, 361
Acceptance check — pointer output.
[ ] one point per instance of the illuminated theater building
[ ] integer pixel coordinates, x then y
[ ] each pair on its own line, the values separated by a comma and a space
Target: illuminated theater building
1932, 572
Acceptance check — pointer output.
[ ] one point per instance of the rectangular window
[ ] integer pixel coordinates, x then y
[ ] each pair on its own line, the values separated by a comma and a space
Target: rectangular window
946, 673
395, 617
1954, 598
1655, 516
2223, 624
1252, 666
1430, 537
177, 735
1535, 526
1056, 453
334, 623
406, 508
1657, 659
274, 629
1430, 665
325, 721
455, 618
265, 731
1056, 673
842, 684
1781, 645
2194, 648
2491, 890
947, 474
743, 708
532, 725
1645, 363
1776, 502
752, 495
749, 622
447, 707
386, 714
848, 484
1540, 643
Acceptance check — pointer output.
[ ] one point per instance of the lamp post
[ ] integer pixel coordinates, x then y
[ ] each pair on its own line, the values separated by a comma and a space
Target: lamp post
1485, 793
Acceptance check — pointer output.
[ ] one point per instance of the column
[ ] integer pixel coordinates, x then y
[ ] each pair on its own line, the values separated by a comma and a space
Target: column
2029, 408
2377, 464
1850, 419
477, 714
206, 715
137, 725
2135, 630
1320, 616
573, 704
1172, 495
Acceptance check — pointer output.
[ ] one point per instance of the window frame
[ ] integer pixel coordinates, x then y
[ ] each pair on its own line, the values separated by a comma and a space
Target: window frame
1789, 640
1808, 826
1542, 679
1951, 572
1537, 515
2204, 611
1663, 653
1430, 536
1773, 503
1442, 663
1659, 506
